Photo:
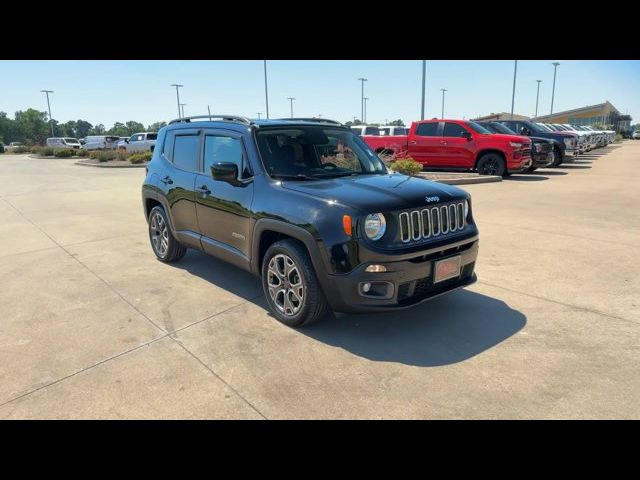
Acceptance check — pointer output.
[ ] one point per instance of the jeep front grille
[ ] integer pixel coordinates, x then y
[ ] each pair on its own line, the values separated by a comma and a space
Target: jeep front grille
431, 222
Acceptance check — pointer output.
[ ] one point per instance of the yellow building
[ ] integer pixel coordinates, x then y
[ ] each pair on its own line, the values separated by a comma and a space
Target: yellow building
603, 114
501, 116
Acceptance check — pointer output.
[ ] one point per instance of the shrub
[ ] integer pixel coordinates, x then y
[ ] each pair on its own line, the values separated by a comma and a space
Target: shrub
64, 152
47, 151
103, 155
140, 157
618, 138
36, 149
81, 152
407, 166
21, 149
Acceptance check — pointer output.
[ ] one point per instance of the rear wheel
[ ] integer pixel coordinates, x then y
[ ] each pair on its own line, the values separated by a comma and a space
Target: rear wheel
290, 284
491, 164
163, 243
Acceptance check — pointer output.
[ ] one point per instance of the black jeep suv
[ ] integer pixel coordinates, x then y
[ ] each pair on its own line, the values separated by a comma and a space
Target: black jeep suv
306, 205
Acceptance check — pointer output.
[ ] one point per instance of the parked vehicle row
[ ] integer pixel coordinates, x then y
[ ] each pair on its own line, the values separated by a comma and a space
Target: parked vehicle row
138, 142
499, 147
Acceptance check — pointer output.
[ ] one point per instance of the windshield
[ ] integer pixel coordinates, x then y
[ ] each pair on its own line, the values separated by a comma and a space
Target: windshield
499, 128
71, 140
307, 153
476, 127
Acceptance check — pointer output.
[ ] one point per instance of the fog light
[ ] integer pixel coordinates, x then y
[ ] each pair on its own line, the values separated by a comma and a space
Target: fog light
376, 268
366, 287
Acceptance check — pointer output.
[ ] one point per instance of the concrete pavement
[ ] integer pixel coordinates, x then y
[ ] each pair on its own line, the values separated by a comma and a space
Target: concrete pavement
92, 326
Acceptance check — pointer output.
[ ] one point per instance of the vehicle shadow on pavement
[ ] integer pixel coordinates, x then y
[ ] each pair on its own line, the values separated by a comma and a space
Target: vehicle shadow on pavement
573, 166
446, 330
525, 178
548, 172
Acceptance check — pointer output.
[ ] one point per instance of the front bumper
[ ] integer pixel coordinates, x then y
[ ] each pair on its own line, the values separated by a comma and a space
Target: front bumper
542, 159
519, 165
410, 281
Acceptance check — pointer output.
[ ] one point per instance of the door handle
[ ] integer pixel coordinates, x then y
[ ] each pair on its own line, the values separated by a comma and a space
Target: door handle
442, 142
412, 142
166, 179
203, 190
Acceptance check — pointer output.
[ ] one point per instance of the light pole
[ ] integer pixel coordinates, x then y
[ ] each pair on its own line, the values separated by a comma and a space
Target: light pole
177, 96
513, 94
365, 109
182, 106
443, 90
362, 98
266, 94
291, 99
553, 90
47, 92
209, 109
259, 113
537, 96
424, 80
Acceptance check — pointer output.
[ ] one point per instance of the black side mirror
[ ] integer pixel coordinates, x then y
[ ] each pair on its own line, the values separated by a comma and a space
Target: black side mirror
525, 131
225, 172
467, 135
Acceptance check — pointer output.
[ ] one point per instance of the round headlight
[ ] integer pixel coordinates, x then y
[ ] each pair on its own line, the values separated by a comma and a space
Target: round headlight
466, 208
375, 226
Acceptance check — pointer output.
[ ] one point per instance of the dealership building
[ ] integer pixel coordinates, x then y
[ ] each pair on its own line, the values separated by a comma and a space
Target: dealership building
601, 114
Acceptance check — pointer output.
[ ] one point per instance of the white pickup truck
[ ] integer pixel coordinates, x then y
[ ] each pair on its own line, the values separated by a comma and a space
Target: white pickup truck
139, 142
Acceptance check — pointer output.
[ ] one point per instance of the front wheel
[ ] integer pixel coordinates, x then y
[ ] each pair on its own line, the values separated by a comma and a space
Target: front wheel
491, 164
290, 284
163, 243
557, 157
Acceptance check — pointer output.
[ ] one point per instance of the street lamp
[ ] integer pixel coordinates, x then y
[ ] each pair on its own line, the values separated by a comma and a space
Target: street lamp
424, 76
209, 109
537, 96
553, 91
47, 92
182, 105
513, 94
259, 113
365, 109
177, 96
362, 98
291, 99
266, 94
443, 90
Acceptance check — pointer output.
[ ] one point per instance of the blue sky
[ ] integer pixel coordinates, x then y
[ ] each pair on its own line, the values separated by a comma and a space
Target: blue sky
110, 91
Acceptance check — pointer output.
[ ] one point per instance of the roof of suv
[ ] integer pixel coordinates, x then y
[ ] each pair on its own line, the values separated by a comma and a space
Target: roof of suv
241, 123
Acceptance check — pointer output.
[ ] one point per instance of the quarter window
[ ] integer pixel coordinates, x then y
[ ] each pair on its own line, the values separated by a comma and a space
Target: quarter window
185, 152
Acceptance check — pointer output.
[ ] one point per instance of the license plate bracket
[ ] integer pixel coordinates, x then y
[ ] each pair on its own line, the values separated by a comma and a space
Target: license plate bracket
446, 269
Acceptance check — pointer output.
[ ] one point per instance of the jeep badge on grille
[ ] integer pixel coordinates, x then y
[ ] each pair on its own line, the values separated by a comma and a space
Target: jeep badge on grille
432, 199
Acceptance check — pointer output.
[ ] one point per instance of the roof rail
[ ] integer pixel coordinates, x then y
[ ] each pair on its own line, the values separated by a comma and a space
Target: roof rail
319, 120
225, 118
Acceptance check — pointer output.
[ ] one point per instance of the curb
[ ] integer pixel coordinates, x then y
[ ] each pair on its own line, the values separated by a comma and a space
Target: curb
97, 165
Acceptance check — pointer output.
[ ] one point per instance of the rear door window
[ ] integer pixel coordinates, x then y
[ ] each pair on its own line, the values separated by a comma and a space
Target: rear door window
427, 129
186, 149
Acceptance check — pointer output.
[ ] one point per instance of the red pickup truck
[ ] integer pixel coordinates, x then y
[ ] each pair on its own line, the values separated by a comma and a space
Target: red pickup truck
459, 144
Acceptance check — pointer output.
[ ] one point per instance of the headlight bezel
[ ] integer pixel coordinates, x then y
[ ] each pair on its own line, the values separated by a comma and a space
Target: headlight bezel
515, 144
380, 229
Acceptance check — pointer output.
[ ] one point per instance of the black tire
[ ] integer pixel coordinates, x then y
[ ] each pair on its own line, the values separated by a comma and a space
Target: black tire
491, 164
557, 157
313, 305
532, 169
166, 248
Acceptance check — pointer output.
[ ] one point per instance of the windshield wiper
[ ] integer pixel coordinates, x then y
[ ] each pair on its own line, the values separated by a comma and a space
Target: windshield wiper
298, 176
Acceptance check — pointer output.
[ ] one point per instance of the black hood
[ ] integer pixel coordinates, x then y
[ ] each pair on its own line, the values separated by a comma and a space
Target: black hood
379, 193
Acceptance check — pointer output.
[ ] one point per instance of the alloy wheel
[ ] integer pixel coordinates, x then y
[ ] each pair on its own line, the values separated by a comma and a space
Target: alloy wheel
159, 234
285, 284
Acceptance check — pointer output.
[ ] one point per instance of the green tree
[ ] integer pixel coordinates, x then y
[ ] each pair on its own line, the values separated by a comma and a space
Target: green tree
82, 128
119, 130
97, 130
32, 126
397, 123
134, 127
154, 127
7, 129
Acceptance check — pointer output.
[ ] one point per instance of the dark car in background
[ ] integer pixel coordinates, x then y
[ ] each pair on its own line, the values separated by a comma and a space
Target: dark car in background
565, 144
542, 154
